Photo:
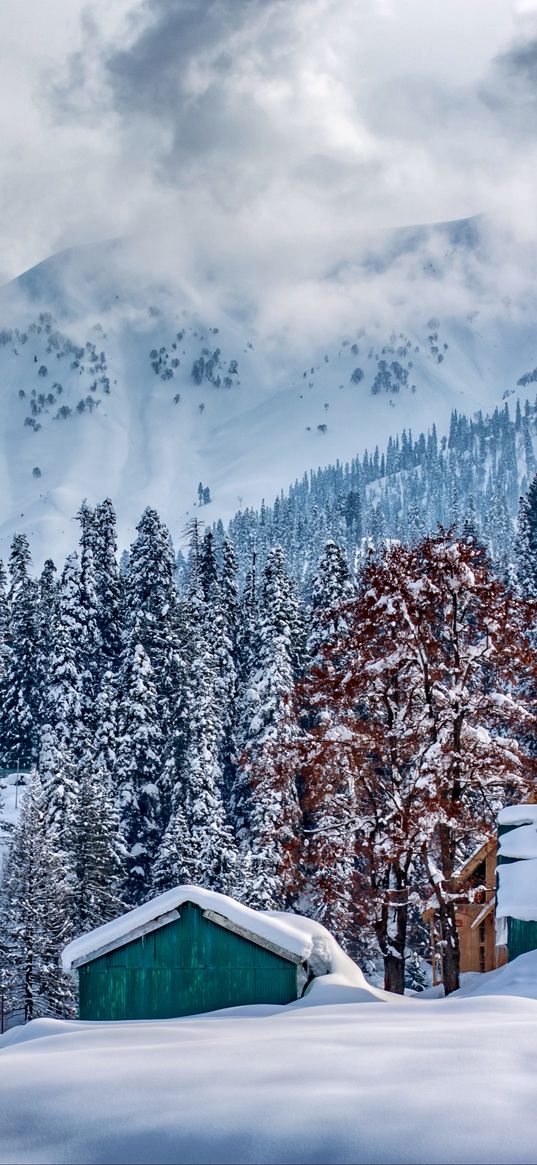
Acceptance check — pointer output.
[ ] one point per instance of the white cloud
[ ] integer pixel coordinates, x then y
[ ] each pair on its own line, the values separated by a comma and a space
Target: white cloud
260, 139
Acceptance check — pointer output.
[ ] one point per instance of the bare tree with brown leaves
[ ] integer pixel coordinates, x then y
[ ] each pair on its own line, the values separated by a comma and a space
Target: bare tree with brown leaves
418, 718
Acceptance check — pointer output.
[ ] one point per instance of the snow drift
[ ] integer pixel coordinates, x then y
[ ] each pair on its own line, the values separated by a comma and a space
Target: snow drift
416, 1081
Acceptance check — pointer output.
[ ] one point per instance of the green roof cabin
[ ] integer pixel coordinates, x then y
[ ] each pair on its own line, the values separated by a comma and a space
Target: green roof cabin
187, 951
516, 905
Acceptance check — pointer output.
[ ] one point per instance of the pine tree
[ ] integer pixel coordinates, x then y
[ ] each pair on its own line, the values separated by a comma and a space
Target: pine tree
139, 765
20, 710
151, 614
4, 621
36, 923
332, 587
173, 865
268, 801
207, 847
60, 738
99, 855
47, 619
90, 661
328, 876
107, 582
151, 595
526, 543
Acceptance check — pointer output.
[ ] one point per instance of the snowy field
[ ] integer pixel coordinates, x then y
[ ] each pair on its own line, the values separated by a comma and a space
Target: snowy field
345, 1075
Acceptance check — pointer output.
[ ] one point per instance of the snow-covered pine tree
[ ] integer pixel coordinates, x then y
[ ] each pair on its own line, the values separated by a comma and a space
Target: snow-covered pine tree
173, 864
138, 768
220, 633
61, 737
90, 644
151, 594
4, 620
21, 700
267, 796
105, 744
500, 534
332, 587
151, 610
526, 543
98, 850
108, 583
208, 565
35, 916
327, 796
47, 618
415, 525
206, 849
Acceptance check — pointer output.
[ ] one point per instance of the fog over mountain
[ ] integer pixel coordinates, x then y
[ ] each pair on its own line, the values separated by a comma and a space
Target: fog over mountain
256, 167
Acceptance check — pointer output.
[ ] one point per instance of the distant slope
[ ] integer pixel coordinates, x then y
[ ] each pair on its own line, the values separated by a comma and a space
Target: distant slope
121, 383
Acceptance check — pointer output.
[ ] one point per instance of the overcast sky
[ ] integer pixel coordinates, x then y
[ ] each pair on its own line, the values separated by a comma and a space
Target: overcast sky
269, 128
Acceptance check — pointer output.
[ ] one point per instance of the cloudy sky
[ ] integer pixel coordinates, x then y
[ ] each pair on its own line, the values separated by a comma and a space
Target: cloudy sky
278, 129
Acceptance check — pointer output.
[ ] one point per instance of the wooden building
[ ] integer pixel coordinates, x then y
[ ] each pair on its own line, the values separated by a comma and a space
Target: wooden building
475, 915
188, 951
497, 913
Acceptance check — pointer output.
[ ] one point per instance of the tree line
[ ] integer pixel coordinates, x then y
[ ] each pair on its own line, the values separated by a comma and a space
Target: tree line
338, 757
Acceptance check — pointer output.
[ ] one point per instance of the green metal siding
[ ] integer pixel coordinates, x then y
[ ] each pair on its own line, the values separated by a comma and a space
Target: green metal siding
189, 966
521, 937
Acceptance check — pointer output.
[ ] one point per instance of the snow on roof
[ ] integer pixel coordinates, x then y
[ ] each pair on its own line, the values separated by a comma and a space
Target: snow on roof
518, 815
520, 842
299, 936
476, 857
517, 890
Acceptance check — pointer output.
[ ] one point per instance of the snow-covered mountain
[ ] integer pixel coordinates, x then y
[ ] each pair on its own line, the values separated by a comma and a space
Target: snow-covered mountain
119, 380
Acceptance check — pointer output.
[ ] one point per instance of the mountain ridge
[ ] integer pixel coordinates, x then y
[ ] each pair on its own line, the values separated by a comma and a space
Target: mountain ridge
117, 379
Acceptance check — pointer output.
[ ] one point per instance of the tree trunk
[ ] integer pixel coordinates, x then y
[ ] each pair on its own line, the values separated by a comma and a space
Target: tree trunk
391, 930
394, 974
450, 947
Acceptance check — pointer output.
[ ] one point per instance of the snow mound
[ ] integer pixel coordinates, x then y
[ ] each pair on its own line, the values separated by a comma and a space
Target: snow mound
518, 978
436, 1081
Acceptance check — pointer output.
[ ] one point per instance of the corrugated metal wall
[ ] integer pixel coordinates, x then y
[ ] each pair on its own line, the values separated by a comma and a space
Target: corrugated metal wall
189, 966
521, 937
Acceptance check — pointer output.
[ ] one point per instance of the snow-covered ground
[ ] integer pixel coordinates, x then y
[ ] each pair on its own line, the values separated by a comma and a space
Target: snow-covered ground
327, 1079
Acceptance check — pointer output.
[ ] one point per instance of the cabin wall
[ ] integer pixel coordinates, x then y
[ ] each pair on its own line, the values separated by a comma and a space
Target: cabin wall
188, 966
478, 944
